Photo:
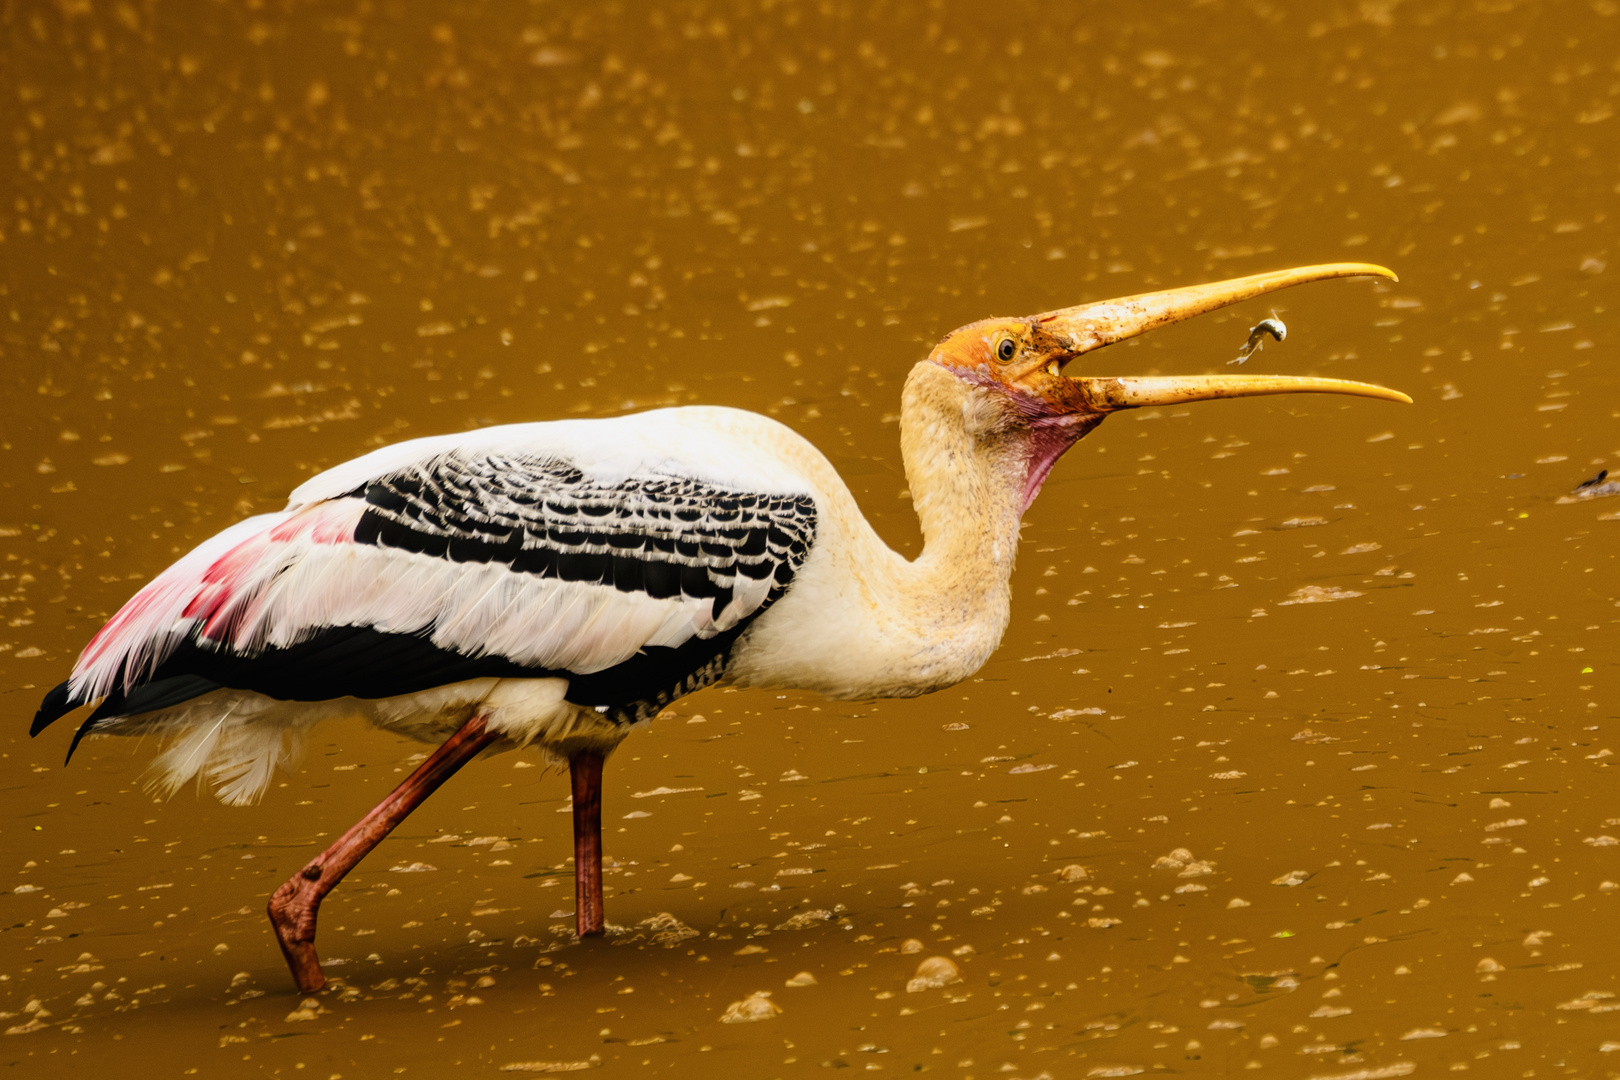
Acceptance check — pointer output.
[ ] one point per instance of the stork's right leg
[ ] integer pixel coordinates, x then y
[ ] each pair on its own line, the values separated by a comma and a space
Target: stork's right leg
295, 905
585, 772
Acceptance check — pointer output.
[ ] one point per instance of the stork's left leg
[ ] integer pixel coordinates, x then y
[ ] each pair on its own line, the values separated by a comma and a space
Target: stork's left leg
295, 905
585, 772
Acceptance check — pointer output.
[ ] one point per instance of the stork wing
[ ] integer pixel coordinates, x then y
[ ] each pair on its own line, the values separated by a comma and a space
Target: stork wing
464, 564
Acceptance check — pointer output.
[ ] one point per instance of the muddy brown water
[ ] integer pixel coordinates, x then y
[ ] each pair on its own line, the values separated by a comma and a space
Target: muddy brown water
1354, 658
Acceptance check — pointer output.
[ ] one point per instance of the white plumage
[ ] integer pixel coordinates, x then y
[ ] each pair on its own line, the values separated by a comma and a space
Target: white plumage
275, 580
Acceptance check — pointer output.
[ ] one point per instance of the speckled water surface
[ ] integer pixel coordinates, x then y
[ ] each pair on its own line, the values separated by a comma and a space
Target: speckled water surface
1317, 694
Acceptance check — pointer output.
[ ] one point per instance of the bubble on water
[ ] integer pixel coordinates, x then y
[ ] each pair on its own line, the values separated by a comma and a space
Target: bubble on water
1462, 878
911, 945
757, 1006
934, 972
1488, 965
806, 919
803, 978
308, 1009
1237, 902
1074, 872
1292, 878
1173, 861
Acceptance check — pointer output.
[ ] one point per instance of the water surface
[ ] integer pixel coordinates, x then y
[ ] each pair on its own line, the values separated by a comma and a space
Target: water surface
1315, 690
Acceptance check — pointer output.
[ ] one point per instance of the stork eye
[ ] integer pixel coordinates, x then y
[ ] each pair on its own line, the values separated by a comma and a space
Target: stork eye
1005, 350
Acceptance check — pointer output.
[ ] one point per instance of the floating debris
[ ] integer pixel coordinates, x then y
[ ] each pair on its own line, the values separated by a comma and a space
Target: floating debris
551, 1066
1597, 1001
1292, 878
757, 1006
1318, 594
1257, 337
1596, 487
934, 972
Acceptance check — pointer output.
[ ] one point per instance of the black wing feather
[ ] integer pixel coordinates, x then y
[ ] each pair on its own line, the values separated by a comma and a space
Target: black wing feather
661, 535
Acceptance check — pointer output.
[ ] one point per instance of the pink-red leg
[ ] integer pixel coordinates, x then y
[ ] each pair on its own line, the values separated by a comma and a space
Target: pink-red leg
294, 907
585, 770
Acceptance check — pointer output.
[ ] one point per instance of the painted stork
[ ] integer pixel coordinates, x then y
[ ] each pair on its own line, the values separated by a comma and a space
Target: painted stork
550, 585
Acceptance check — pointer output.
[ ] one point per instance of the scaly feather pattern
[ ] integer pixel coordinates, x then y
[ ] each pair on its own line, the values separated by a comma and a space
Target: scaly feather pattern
495, 550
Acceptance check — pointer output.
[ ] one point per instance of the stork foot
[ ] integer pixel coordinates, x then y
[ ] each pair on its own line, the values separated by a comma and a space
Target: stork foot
293, 909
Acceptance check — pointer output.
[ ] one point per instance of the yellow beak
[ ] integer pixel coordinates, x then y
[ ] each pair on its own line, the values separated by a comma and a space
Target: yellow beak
1093, 326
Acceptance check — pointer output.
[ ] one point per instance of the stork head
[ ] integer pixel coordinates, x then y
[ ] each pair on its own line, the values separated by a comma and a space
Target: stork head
1020, 362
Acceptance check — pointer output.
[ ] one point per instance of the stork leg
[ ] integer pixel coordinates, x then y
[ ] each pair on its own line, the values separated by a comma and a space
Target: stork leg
294, 907
585, 770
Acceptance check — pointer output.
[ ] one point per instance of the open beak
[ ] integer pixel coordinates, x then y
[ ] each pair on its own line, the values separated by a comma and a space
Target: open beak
1093, 326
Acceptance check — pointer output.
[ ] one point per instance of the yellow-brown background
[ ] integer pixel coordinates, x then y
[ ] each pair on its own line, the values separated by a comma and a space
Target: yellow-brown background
242, 242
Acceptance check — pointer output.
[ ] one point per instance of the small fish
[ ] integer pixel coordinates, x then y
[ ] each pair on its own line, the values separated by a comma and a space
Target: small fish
1597, 487
1257, 335
1603, 474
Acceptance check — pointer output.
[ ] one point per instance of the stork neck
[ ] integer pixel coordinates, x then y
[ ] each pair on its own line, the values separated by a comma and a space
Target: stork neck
966, 470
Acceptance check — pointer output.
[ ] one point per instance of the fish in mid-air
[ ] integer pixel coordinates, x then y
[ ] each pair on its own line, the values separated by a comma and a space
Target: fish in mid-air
1257, 337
